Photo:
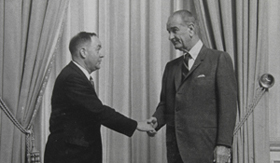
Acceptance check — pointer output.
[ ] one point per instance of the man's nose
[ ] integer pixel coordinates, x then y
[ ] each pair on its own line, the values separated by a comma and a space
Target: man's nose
171, 36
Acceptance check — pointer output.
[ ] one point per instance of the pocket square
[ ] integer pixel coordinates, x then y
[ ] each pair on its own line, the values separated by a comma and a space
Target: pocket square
201, 76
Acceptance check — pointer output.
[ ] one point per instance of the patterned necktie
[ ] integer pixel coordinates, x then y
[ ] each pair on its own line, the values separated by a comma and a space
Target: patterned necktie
91, 81
185, 66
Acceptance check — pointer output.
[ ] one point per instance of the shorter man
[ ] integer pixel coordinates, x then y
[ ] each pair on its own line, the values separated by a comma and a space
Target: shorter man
77, 113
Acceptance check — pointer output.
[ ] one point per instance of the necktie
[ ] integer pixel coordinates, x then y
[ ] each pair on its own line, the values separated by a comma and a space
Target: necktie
91, 81
185, 66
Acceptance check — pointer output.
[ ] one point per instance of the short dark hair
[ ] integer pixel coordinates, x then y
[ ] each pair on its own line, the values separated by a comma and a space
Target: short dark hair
79, 39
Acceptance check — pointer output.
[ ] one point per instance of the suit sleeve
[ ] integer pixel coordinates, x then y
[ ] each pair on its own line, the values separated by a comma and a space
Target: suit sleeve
80, 92
227, 100
160, 110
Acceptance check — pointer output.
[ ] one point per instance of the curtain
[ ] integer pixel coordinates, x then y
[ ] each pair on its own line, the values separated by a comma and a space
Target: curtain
238, 27
29, 31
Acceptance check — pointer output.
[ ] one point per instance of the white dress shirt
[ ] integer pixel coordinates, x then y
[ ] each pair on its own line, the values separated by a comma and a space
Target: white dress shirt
194, 52
83, 70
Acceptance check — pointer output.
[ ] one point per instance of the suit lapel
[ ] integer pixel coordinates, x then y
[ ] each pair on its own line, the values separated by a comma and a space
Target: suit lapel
196, 64
178, 73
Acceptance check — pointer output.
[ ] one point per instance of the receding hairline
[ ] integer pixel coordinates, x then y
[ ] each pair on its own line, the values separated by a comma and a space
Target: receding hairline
185, 15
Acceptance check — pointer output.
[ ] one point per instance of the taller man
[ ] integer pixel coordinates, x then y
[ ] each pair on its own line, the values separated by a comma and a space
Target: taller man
198, 97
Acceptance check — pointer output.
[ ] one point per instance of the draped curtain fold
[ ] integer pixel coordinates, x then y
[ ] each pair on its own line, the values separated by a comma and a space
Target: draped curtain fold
29, 31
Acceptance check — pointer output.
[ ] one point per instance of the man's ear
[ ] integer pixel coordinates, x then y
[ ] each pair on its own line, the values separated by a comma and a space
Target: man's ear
191, 30
83, 52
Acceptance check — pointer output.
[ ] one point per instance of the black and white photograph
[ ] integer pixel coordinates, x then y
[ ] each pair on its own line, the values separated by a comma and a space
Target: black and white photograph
139, 81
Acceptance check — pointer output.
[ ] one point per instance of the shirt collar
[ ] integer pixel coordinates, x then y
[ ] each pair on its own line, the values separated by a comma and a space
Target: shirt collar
196, 49
82, 69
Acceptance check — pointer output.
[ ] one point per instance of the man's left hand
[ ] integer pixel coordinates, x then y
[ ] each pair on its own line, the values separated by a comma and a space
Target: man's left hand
221, 154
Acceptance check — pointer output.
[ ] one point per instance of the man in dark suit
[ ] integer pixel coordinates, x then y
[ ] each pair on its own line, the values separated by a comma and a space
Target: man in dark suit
198, 97
77, 112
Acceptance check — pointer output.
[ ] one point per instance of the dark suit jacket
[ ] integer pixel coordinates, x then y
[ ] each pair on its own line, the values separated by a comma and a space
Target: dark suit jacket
77, 114
199, 112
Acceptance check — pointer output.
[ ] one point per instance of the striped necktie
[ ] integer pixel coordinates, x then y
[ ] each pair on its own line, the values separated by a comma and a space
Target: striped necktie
185, 66
91, 81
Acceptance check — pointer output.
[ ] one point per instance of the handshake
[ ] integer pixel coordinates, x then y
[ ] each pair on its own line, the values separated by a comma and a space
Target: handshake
148, 126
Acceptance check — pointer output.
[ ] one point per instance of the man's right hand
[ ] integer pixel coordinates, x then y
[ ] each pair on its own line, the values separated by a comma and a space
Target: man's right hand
153, 122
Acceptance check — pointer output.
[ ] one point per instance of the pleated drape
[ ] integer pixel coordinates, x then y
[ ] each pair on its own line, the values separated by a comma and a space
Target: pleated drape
29, 31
